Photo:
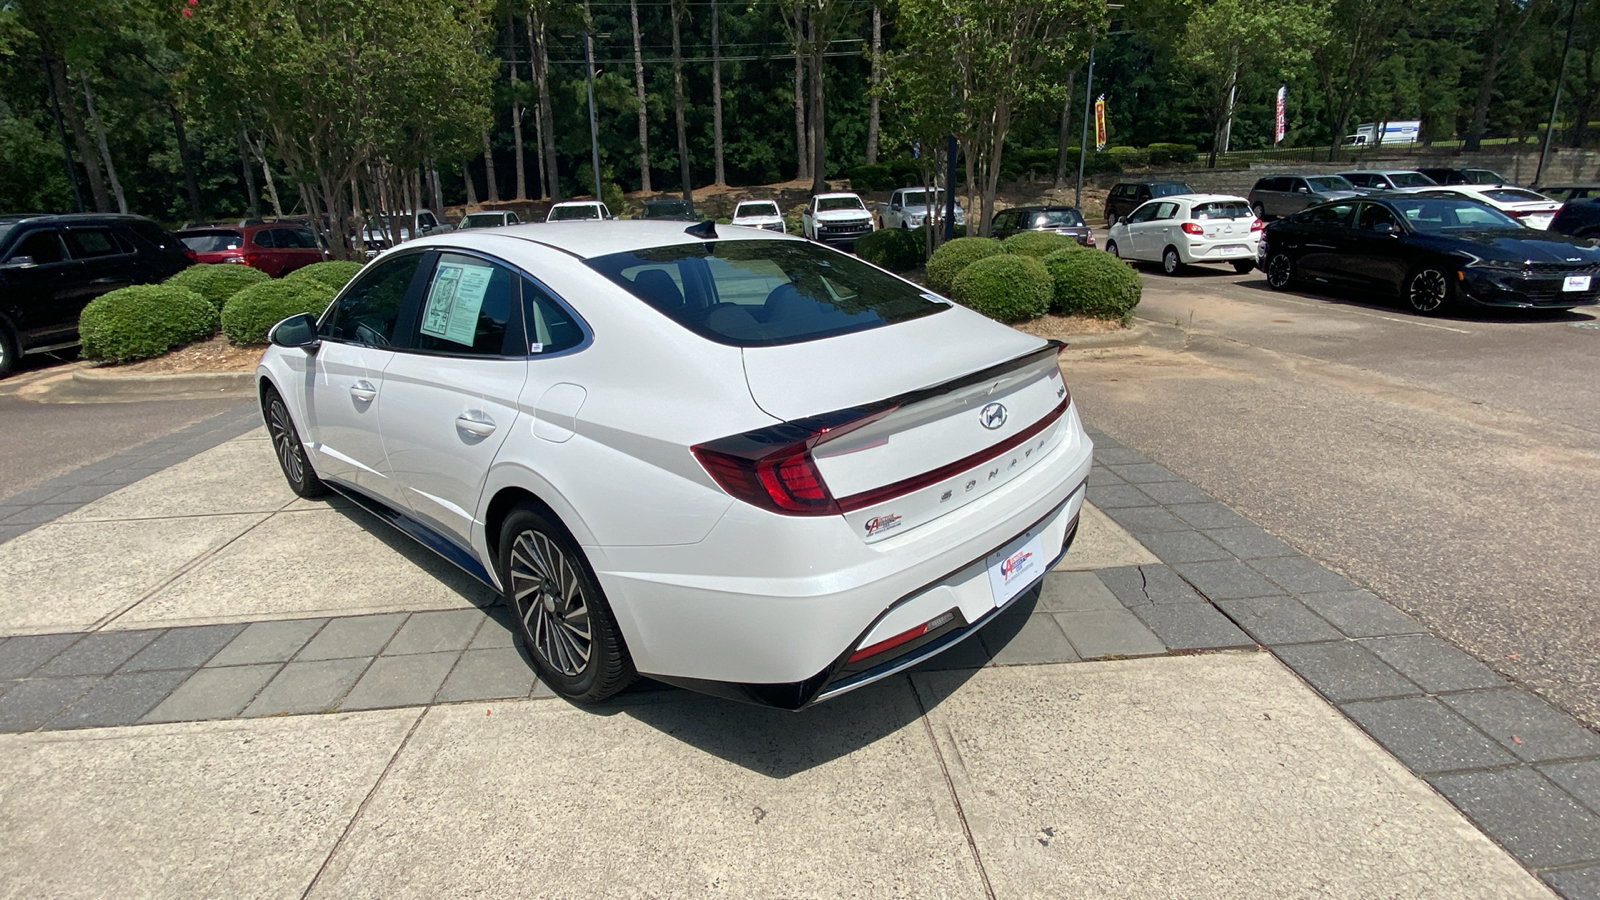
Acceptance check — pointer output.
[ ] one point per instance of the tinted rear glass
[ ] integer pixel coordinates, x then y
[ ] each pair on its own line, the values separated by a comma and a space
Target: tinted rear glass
1057, 218
760, 293
1443, 216
482, 220
1410, 179
1167, 189
757, 209
1222, 209
211, 241
569, 213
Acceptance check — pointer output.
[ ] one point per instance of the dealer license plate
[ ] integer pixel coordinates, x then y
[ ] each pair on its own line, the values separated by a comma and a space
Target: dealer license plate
1576, 283
1015, 566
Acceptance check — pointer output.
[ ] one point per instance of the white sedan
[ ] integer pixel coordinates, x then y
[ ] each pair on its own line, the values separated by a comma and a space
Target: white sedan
1185, 229
686, 455
1531, 208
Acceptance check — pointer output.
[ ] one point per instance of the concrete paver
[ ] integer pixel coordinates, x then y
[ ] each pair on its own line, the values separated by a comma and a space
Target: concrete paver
1102, 633
219, 693
433, 632
98, 654
1360, 614
234, 477
122, 699
265, 642
307, 687
496, 674
1425, 735
1278, 620
184, 648
1527, 814
410, 680
1101, 543
1525, 725
358, 636
1433, 664
1580, 779
1018, 638
1345, 671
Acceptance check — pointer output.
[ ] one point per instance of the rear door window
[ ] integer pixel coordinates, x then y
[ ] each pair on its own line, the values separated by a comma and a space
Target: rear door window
88, 243
466, 309
1372, 215
266, 237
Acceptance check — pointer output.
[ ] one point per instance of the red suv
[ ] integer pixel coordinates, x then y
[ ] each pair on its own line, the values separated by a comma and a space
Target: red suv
276, 248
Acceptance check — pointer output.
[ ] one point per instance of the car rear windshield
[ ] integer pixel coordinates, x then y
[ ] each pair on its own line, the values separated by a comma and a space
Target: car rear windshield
762, 293
1443, 216
1057, 218
212, 241
757, 209
482, 220
568, 213
1169, 188
1513, 195
1222, 209
1410, 179
1330, 183
831, 203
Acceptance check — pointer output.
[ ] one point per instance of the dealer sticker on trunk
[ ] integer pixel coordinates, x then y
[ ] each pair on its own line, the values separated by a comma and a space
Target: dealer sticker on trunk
1576, 283
1015, 566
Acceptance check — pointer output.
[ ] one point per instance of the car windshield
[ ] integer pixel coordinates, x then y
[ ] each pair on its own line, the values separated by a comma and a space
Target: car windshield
665, 210
1484, 176
4, 227
211, 241
1430, 216
756, 209
825, 204
1167, 189
920, 198
761, 293
570, 213
1330, 183
1410, 179
1058, 218
482, 220
1222, 209
1516, 195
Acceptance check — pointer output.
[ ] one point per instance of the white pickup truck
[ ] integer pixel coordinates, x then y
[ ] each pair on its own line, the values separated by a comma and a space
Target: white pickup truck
908, 208
836, 219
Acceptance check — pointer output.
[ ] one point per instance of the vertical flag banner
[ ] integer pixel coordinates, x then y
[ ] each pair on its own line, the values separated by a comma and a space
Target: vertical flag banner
1279, 131
1100, 123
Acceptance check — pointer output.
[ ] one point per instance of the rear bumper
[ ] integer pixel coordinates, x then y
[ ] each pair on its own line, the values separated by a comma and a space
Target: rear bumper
1222, 251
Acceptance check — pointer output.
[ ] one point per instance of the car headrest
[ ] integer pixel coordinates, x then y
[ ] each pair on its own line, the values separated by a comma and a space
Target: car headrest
658, 289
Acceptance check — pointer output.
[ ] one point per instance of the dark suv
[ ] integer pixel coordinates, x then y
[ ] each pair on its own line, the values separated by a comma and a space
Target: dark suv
1125, 196
1064, 220
52, 266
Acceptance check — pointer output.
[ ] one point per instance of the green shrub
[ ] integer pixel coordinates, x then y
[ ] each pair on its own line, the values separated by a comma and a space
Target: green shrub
335, 273
1038, 243
1163, 154
896, 249
953, 256
1093, 284
143, 321
253, 311
217, 282
1006, 287
877, 177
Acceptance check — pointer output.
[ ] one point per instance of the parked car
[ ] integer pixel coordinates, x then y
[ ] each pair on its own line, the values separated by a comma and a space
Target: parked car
385, 230
1432, 252
1388, 179
837, 219
1465, 176
731, 492
1532, 209
275, 248
671, 210
1059, 219
908, 208
1566, 192
578, 211
52, 266
1578, 218
762, 214
1284, 195
1187, 229
1125, 196
488, 219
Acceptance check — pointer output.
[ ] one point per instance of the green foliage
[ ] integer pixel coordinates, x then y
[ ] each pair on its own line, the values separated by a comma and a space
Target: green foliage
1093, 284
1163, 154
877, 177
253, 311
1038, 243
1129, 157
896, 249
335, 273
219, 281
1008, 287
143, 321
953, 256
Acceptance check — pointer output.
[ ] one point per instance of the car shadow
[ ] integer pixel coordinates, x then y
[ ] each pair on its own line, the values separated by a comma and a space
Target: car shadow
1365, 300
458, 582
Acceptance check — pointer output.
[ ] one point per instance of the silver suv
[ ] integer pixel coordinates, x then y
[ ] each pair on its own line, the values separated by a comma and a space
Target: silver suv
1284, 195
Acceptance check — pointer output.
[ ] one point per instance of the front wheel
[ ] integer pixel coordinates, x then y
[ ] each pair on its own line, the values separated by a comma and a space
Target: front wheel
1428, 290
286, 445
1171, 262
562, 615
1111, 248
8, 352
1243, 266
1280, 272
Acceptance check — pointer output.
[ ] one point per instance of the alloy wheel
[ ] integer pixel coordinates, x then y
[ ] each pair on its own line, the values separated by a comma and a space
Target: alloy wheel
550, 600
1429, 290
1280, 271
284, 440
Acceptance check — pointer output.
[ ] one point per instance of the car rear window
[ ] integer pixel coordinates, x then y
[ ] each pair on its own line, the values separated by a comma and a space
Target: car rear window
1512, 195
1167, 189
1330, 183
1222, 209
1057, 218
481, 220
212, 241
762, 293
570, 213
1410, 179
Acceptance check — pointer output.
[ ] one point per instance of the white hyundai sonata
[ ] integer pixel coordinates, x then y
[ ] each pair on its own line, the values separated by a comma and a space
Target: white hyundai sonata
741, 463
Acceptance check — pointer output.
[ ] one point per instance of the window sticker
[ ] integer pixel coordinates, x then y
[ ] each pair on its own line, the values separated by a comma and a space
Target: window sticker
454, 302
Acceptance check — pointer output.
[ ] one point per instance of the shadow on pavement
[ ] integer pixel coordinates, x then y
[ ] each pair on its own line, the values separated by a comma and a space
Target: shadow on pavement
1393, 305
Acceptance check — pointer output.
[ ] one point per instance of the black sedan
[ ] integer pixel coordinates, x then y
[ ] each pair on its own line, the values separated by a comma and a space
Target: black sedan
1430, 252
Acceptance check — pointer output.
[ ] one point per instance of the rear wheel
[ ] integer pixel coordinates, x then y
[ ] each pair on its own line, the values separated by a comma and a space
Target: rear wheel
1280, 272
1171, 262
1260, 211
562, 615
8, 352
1111, 220
1428, 290
1243, 266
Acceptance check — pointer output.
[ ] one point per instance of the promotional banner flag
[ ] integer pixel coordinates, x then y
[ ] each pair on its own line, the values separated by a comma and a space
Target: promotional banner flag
1100, 123
1279, 131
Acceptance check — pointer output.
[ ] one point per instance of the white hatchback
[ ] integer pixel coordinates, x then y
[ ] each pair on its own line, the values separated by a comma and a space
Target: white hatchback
1186, 229
748, 465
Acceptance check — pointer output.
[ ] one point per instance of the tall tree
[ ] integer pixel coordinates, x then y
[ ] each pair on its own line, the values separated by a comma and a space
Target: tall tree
716, 96
794, 22
1228, 39
679, 9
874, 78
488, 168
1357, 35
1063, 162
1506, 19
538, 20
516, 110
644, 106
111, 167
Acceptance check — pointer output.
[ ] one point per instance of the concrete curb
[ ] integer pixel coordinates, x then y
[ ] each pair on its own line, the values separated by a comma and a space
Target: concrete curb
185, 382
1138, 334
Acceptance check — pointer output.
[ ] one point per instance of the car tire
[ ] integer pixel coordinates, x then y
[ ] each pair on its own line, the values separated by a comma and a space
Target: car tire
1111, 220
1280, 271
8, 352
1171, 262
292, 459
1260, 211
561, 613
1428, 290
1243, 266
1111, 248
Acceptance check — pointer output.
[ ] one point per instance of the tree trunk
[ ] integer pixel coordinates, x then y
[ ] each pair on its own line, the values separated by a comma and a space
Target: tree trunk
516, 113
991, 179
87, 153
538, 148
547, 127
1491, 70
644, 109
488, 168
1063, 163
435, 190
248, 171
189, 182
472, 189
819, 142
716, 97
877, 76
105, 152
802, 138
677, 102
259, 148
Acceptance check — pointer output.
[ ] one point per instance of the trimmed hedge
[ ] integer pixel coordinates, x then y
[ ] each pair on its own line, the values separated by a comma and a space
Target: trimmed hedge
1038, 243
253, 311
335, 273
143, 321
896, 249
1006, 287
219, 281
1093, 284
953, 256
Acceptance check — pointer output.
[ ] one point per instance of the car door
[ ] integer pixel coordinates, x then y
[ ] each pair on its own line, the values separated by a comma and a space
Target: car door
1005, 223
345, 395
107, 264
1126, 245
40, 279
1149, 234
1325, 233
1374, 253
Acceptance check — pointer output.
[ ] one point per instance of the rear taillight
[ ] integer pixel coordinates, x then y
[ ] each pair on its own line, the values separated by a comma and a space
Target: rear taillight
1257, 225
772, 468
1192, 228
190, 255
904, 637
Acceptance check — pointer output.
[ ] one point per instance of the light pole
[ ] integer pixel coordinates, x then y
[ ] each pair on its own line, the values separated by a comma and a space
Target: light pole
588, 72
1083, 142
1561, 78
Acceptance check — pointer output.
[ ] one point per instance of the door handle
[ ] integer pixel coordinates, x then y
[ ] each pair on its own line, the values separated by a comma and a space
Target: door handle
363, 391
475, 423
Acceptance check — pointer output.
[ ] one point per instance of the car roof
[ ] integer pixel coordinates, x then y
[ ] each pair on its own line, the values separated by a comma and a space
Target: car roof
1378, 172
835, 194
592, 238
1197, 198
577, 203
69, 218
1050, 207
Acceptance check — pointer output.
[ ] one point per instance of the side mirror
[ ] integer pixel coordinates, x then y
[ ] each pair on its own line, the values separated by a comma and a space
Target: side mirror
19, 262
1386, 228
296, 331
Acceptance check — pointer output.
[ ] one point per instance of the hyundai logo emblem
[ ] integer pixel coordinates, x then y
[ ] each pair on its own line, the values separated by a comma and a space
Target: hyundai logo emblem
992, 416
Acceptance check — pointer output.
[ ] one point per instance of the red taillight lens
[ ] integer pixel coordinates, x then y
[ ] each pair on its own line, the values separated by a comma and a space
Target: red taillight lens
773, 468
1192, 228
190, 255
1257, 225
